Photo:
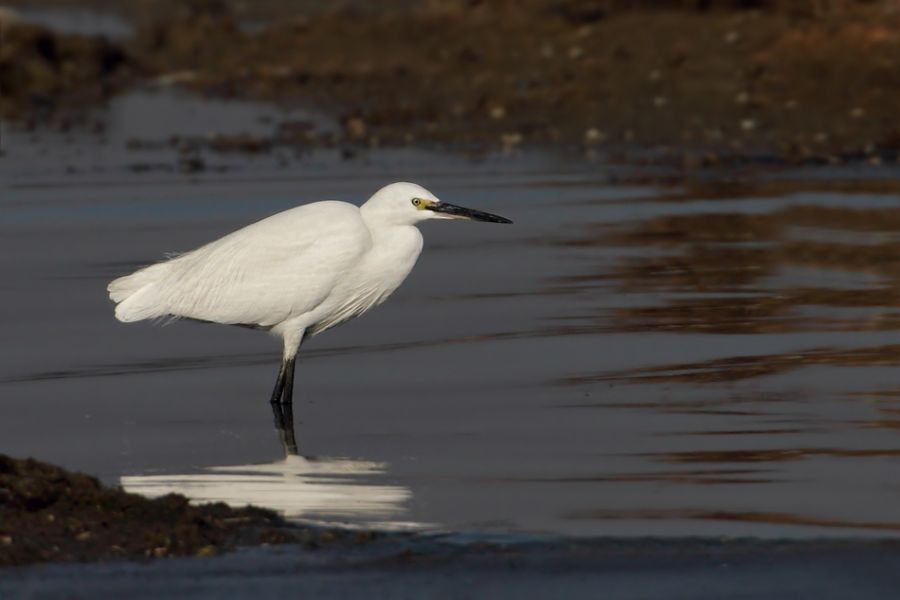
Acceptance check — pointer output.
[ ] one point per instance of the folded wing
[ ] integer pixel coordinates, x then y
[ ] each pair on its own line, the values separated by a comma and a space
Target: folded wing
261, 275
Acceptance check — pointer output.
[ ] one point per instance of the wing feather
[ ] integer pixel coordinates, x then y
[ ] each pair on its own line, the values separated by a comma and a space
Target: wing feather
261, 275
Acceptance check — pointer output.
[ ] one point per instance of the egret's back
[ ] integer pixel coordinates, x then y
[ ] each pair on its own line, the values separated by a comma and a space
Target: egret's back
261, 275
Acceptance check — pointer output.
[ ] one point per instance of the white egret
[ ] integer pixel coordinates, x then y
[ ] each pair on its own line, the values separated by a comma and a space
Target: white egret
296, 273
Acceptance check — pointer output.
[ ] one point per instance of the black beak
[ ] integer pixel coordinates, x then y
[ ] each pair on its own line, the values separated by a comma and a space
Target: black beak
458, 212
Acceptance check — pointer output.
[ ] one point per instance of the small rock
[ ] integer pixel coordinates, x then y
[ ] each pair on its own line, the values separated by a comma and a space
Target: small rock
497, 112
742, 98
207, 551
364, 537
594, 136
6, 540
748, 124
660, 101
327, 537
857, 112
511, 139
83, 536
176, 78
576, 52
654, 75
355, 128
192, 164
9, 17
732, 37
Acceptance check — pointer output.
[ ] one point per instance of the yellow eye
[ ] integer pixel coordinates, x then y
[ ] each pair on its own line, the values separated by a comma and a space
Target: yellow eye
416, 202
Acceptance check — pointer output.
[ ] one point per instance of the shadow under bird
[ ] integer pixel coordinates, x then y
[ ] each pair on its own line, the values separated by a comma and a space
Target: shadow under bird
296, 273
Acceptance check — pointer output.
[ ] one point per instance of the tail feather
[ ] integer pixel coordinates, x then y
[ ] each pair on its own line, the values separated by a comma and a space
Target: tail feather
134, 294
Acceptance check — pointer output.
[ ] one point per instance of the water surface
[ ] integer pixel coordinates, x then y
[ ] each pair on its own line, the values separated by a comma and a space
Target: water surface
706, 358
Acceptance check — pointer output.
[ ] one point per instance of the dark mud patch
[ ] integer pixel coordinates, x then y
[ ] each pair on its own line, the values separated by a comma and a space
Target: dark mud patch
43, 72
48, 514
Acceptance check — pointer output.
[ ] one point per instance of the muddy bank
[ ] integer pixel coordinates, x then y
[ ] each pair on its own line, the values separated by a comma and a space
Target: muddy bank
48, 514
43, 74
701, 86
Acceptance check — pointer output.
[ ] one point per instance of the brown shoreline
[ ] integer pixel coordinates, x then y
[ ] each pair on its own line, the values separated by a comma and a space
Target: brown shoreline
698, 87
48, 514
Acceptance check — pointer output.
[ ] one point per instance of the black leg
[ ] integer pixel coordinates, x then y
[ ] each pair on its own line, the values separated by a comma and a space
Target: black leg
279, 385
284, 425
287, 398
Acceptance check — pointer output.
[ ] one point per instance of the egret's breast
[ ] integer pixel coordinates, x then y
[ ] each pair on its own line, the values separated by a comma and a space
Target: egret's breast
369, 283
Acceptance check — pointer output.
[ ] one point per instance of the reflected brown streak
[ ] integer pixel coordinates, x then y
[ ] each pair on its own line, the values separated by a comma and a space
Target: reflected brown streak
717, 255
882, 424
747, 367
773, 518
730, 432
693, 477
719, 405
769, 455
690, 190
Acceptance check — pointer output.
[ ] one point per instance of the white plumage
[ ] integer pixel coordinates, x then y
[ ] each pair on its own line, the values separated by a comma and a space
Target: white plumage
296, 273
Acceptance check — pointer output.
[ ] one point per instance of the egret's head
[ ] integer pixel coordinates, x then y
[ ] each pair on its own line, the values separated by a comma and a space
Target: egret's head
408, 203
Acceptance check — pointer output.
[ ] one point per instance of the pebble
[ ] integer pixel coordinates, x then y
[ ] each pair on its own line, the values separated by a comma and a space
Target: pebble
497, 112
594, 135
511, 139
355, 128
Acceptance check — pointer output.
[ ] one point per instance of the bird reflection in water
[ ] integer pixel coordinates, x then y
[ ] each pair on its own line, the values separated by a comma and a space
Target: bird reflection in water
298, 487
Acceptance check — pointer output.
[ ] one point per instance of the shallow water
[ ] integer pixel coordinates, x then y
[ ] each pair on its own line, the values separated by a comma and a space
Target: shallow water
78, 21
627, 359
